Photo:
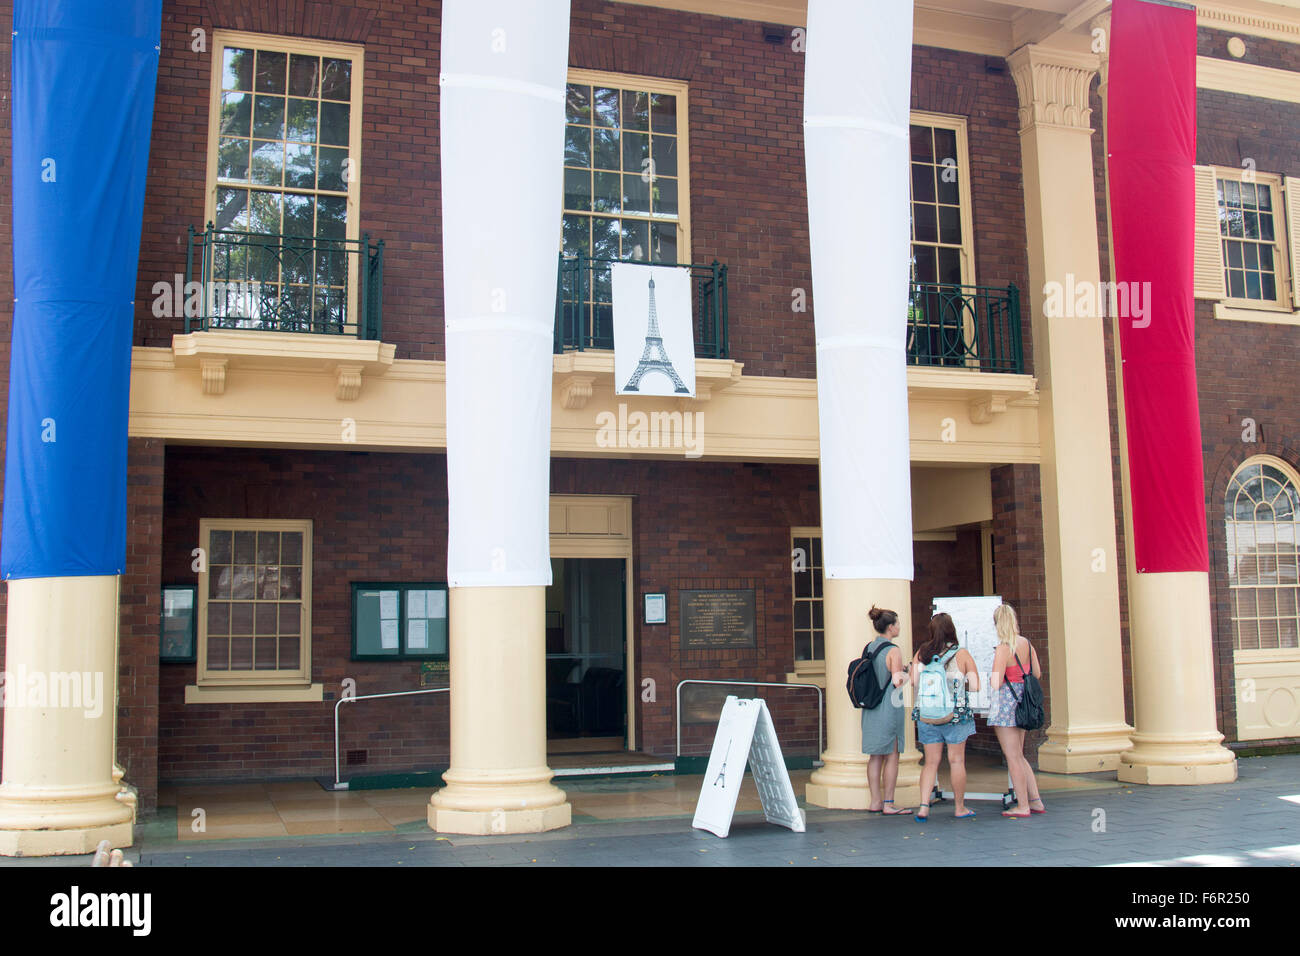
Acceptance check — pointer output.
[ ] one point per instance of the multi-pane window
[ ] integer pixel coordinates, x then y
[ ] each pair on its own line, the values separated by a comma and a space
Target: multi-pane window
255, 600
286, 114
938, 237
1262, 524
809, 620
940, 317
1247, 223
625, 188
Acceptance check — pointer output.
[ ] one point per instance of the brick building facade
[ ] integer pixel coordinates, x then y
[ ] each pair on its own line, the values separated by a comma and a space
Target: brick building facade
381, 514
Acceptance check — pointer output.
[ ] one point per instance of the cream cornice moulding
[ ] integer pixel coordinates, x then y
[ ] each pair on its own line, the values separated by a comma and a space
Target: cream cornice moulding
1273, 21
1247, 79
215, 353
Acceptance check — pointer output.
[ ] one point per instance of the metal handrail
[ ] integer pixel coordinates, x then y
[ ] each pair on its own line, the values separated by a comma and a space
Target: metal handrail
584, 305
964, 326
338, 783
821, 748
284, 283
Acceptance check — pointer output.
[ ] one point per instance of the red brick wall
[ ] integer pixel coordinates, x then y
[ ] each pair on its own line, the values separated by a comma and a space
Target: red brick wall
383, 517
1018, 578
1244, 369
374, 517
749, 203
139, 604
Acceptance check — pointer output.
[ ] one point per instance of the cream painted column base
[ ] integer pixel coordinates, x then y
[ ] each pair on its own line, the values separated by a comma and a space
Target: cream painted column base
498, 781
841, 783
1084, 749
1177, 740
64, 842
60, 794
500, 821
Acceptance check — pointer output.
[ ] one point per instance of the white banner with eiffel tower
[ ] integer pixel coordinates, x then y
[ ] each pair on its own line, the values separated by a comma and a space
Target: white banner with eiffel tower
654, 341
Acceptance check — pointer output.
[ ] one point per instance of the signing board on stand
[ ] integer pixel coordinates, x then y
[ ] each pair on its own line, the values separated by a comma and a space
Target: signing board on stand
746, 735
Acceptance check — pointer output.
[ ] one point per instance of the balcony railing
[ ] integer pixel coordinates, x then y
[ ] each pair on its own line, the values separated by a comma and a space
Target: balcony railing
964, 326
280, 283
584, 306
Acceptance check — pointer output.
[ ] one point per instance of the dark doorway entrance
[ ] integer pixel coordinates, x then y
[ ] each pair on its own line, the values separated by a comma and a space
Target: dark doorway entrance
586, 623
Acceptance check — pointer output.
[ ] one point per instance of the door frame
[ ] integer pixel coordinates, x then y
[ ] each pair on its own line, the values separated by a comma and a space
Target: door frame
600, 526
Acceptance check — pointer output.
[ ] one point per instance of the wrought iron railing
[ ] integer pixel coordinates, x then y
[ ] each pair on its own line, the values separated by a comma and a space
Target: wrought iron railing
584, 305
280, 283
964, 326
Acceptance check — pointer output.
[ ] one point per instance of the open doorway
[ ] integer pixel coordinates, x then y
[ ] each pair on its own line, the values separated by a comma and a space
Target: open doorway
586, 648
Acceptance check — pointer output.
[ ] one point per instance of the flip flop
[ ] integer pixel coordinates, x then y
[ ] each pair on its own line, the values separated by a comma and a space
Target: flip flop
1032, 810
922, 819
963, 816
875, 811
1016, 816
896, 811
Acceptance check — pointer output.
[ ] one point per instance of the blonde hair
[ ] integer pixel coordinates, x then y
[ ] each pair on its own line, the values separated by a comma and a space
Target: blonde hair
1004, 618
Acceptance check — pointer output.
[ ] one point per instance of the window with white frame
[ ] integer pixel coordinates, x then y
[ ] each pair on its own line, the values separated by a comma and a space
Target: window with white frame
1262, 518
1248, 243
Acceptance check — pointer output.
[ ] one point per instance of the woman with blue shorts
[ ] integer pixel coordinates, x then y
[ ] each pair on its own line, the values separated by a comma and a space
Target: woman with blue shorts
962, 675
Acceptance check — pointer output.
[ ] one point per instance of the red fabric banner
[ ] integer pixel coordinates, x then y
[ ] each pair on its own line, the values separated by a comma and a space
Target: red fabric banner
1151, 124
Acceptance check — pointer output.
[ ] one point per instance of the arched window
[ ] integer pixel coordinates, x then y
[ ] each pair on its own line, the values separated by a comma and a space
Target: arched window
1262, 509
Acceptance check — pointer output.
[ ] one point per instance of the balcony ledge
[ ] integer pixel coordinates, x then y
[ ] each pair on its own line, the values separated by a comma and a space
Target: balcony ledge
987, 393
215, 353
577, 373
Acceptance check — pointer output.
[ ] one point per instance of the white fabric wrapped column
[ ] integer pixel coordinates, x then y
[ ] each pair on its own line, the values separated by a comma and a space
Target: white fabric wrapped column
857, 93
504, 67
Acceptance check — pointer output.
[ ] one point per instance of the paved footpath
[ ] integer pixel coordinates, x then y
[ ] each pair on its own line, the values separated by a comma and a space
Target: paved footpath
1253, 822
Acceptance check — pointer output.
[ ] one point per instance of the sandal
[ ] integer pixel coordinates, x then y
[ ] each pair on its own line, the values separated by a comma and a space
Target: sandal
963, 816
895, 811
1016, 816
1039, 800
922, 819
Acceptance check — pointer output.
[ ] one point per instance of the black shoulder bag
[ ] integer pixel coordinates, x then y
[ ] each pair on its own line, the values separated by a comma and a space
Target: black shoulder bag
1029, 705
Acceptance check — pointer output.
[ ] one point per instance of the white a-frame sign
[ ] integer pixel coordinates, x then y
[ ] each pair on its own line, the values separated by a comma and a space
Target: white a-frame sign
746, 735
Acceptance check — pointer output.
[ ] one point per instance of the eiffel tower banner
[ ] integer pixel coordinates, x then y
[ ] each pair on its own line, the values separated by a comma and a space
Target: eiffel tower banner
654, 342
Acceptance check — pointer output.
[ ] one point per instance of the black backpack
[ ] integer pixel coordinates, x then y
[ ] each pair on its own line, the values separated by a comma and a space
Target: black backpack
1029, 704
864, 690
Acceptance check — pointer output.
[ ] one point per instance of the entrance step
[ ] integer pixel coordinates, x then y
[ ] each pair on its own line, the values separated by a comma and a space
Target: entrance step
607, 763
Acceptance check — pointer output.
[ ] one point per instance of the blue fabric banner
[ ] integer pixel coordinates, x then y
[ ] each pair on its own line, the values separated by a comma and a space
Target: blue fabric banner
83, 93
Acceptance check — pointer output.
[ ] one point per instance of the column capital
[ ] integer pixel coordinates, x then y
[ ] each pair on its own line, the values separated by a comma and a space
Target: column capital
1052, 86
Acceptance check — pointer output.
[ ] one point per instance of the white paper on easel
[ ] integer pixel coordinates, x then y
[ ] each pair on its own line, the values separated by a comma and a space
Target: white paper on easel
973, 619
746, 735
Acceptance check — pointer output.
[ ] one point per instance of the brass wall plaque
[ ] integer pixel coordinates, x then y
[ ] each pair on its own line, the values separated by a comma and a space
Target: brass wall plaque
717, 619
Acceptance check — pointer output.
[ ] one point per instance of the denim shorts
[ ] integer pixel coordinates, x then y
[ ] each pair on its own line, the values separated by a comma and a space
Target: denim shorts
944, 733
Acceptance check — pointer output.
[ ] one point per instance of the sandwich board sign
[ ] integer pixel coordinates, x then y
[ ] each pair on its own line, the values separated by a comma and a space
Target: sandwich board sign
746, 735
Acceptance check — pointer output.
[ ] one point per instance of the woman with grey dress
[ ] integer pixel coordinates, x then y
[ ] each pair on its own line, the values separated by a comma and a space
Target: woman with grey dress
882, 726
